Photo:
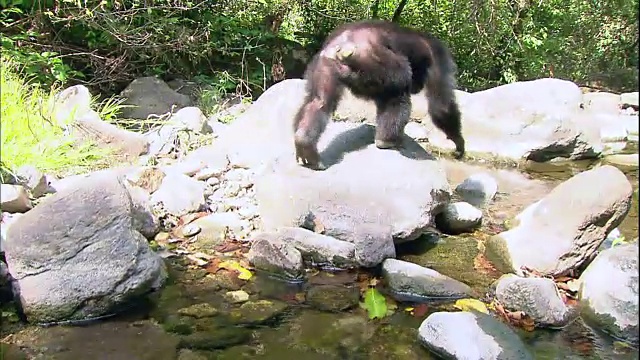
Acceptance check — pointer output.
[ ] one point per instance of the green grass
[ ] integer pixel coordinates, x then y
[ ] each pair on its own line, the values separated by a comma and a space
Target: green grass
29, 135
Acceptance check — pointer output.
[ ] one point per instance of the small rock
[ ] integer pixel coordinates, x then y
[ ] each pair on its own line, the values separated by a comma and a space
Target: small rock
466, 335
214, 228
333, 298
478, 189
609, 292
150, 96
14, 199
416, 131
209, 172
190, 230
249, 212
193, 119
318, 249
409, 280
459, 217
236, 297
186, 354
536, 297
180, 194
199, 311
147, 177
258, 312
34, 180
275, 256
212, 181
189, 168
630, 99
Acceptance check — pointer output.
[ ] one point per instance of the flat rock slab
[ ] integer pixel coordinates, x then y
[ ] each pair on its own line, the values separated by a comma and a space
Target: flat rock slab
364, 189
77, 255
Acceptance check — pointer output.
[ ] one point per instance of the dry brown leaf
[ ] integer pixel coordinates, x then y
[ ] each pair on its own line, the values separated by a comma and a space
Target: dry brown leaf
420, 310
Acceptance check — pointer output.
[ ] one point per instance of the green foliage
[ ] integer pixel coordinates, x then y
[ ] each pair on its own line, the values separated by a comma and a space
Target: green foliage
30, 136
107, 43
375, 303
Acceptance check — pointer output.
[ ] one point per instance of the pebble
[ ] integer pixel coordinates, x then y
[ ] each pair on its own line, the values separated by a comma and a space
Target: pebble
236, 297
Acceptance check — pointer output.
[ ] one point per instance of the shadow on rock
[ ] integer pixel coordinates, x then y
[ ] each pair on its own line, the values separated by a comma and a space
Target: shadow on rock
362, 136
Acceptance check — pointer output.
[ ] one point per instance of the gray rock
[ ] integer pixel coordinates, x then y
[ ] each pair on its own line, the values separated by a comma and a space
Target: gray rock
478, 189
148, 178
565, 140
193, 119
601, 102
32, 179
536, 297
270, 254
317, 248
144, 220
459, 217
85, 261
416, 131
570, 223
610, 127
180, 194
470, 336
14, 199
150, 95
609, 292
511, 120
410, 187
630, 99
409, 280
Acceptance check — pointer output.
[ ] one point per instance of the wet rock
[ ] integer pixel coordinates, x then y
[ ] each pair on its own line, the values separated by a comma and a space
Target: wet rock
14, 199
221, 338
85, 261
258, 312
271, 254
193, 119
408, 280
142, 340
601, 102
537, 297
236, 297
459, 217
478, 189
609, 292
466, 335
179, 194
318, 249
227, 280
333, 298
324, 333
12, 352
394, 342
199, 311
569, 223
150, 96
32, 179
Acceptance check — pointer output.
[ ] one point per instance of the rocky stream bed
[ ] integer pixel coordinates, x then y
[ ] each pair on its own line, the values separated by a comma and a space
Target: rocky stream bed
248, 256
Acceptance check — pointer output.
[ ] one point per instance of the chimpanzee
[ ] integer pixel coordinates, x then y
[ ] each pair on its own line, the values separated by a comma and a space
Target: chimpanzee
384, 62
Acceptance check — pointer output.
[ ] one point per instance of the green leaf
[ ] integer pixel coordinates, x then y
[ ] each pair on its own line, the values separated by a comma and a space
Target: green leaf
375, 304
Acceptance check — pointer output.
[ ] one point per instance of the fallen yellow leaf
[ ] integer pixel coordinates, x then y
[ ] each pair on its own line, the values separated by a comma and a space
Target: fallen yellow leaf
471, 304
244, 274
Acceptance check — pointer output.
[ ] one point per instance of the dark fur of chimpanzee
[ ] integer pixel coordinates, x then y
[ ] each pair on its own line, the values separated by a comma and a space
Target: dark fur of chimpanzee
388, 64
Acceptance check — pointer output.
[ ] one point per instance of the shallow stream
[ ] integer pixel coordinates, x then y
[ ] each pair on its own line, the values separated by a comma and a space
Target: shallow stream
297, 330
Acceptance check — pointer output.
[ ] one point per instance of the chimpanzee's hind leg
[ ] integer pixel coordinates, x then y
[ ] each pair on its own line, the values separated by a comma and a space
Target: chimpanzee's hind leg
392, 117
